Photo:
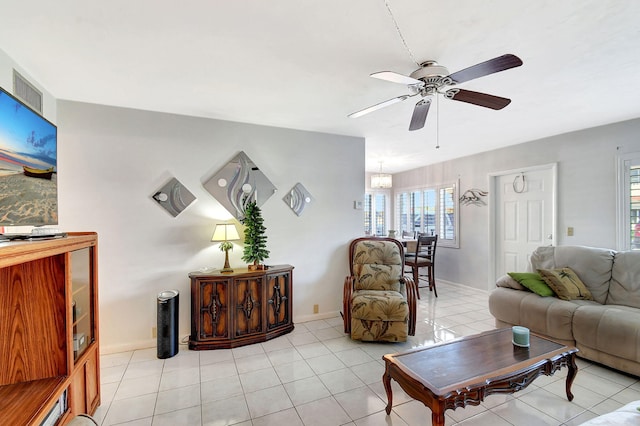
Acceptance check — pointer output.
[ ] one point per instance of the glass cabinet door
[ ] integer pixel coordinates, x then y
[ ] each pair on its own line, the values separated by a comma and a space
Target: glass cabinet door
82, 302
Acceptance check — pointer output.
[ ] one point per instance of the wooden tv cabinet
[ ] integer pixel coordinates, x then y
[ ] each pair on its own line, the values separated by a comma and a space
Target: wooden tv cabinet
231, 309
48, 297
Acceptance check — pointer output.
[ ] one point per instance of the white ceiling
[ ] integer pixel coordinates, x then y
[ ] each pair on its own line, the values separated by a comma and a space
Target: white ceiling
304, 64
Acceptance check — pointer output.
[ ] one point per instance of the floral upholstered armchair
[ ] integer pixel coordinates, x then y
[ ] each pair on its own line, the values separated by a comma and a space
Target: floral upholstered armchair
379, 303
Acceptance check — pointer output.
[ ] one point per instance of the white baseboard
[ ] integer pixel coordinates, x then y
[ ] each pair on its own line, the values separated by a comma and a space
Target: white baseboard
315, 317
462, 286
126, 347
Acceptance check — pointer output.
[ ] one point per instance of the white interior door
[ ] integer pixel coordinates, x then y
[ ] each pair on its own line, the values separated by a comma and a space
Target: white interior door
524, 214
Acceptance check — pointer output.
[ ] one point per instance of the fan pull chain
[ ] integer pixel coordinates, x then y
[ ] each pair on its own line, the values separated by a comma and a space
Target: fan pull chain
386, 3
437, 121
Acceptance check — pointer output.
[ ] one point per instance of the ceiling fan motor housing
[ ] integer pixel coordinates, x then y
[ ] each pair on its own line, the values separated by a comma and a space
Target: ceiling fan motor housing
433, 75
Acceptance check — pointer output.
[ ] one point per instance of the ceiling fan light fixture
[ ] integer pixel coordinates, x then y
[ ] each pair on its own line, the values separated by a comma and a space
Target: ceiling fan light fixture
381, 180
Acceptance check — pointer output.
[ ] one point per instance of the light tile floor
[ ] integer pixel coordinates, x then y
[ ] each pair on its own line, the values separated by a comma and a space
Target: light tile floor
317, 375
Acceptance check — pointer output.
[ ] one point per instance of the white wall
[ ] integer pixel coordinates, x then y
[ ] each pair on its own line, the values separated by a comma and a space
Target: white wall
7, 65
111, 160
586, 192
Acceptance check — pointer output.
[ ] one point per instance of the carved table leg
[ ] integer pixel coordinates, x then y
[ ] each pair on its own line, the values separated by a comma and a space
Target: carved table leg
571, 374
386, 379
437, 419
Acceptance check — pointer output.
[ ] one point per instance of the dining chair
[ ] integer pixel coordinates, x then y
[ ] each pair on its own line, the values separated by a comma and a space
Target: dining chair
424, 256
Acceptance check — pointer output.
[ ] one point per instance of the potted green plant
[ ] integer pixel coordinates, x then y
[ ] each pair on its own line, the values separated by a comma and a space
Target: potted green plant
255, 240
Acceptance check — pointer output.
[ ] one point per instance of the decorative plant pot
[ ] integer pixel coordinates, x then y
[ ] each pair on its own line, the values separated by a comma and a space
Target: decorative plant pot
256, 267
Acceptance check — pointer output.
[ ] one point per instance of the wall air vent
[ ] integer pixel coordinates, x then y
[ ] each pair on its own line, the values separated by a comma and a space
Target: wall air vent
27, 92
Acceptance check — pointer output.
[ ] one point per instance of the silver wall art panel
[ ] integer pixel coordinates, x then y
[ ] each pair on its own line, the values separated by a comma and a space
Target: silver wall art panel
239, 182
298, 198
173, 197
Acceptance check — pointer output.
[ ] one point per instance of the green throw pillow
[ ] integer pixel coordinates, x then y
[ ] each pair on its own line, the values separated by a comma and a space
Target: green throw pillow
565, 283
533, 282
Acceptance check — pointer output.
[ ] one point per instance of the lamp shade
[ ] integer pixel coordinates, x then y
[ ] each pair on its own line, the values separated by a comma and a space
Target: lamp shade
381, 180
225, 232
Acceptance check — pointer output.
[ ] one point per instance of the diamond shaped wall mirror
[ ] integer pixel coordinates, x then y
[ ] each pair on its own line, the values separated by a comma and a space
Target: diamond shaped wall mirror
173, 197
297, 198
239, 182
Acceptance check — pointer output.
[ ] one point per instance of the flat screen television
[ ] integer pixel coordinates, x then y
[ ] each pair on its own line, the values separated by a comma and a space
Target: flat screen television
28, 165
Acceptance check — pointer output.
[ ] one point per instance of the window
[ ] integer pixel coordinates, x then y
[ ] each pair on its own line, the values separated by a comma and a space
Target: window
432, 210
375, 213
629, 202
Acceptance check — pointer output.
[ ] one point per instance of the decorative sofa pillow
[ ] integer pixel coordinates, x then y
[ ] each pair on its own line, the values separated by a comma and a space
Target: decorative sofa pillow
533, 281
566, 284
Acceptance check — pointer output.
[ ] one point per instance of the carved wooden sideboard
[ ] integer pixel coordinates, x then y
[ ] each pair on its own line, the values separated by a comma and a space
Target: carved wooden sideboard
239, 308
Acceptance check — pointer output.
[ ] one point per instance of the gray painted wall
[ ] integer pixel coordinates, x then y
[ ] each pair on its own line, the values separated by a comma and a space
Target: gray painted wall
587, 161
111, 160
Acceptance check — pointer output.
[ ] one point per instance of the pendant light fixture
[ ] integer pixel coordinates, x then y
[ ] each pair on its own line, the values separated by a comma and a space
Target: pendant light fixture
381, 180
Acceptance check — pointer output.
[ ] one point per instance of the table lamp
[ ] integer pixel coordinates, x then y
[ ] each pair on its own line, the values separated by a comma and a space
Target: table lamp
225, 232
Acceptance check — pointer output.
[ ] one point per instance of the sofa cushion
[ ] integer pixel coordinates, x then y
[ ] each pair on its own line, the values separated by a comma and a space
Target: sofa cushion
565, 284
592, 265
629, 415
534, 282
548, 316
507, 282
625, 280
542, 258
611, 329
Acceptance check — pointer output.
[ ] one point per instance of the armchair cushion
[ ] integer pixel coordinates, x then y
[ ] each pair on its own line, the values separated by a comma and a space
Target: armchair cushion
380, 252
377, 277
379, 305
378, 331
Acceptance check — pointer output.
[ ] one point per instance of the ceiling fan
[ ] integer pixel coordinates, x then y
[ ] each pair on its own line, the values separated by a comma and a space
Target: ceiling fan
432, 79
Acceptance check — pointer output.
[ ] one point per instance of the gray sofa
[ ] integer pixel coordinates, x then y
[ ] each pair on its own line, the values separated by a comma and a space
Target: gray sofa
628, 415
605, 330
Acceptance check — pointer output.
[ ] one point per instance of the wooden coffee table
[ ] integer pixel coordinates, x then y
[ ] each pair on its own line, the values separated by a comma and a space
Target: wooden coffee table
464, 371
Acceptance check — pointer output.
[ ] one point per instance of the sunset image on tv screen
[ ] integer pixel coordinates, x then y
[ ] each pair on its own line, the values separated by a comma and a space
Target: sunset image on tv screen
28, 165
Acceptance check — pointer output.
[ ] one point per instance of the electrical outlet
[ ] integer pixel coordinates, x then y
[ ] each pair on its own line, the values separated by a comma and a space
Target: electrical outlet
154, 331
570, 231
316, 309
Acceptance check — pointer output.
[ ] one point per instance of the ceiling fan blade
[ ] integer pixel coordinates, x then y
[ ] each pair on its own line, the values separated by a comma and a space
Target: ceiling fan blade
420, 114
477, 98
378, 106
501, 63
394, 77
